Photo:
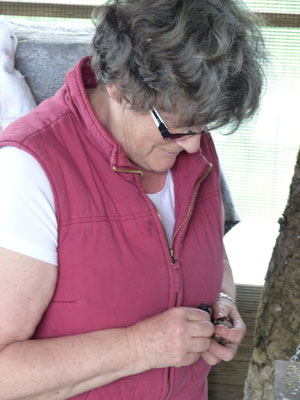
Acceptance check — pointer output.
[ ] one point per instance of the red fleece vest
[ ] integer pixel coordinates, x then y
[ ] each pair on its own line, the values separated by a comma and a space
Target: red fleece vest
115, 267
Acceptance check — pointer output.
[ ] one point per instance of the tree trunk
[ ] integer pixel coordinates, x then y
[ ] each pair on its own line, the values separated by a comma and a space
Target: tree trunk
277, 331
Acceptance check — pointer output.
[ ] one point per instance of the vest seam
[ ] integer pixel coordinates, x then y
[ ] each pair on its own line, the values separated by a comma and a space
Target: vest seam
37, 131
116, 218
214, 193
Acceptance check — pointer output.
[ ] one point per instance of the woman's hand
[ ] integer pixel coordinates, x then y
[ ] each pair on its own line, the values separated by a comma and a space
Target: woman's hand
176, 337
234, 336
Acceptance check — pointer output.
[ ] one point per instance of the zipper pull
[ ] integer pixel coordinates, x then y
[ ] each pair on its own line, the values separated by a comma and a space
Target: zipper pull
173, 259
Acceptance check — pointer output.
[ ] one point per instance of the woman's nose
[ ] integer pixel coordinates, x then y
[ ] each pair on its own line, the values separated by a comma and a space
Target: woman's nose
190, 144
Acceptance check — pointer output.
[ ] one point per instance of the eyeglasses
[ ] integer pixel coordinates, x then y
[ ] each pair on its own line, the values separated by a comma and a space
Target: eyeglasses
163, 129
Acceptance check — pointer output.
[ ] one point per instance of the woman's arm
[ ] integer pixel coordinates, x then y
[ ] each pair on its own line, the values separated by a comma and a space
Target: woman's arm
226, 308
56, 369
228, 285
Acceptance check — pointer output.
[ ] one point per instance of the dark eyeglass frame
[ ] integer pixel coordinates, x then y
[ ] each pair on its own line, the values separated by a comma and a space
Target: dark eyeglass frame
163, 129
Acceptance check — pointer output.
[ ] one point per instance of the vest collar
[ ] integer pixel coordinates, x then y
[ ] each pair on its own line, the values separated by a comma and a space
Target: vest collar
77, 81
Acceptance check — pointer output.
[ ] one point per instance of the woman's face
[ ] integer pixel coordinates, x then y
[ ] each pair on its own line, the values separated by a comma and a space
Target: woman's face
144, 145
137, 133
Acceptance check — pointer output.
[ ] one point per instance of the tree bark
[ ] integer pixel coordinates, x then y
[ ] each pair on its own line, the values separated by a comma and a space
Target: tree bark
277, 331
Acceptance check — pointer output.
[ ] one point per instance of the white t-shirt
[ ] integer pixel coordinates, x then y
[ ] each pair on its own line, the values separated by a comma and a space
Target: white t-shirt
165, 204
27, 212
28, 222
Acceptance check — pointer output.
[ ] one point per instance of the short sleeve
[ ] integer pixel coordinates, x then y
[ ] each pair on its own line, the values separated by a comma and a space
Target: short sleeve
28, 222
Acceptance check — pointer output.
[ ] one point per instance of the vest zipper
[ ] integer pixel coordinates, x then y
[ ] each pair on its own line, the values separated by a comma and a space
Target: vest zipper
172, 254
171, 250
173, 259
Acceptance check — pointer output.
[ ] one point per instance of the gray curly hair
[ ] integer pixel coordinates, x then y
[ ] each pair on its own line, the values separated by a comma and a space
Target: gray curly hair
199, 58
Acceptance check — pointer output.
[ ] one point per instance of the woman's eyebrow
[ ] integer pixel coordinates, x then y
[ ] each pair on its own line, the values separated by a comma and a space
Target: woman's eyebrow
170, 122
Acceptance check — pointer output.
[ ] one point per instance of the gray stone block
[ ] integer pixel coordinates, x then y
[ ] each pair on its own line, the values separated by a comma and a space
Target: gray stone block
46, 53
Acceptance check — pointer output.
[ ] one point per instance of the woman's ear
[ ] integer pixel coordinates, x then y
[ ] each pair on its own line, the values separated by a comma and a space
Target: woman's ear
113, 93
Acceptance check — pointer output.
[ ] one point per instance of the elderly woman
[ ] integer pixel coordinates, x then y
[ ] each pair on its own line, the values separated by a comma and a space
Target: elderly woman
111, 213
